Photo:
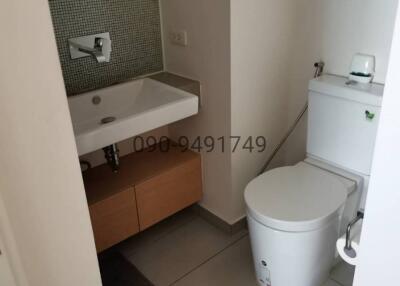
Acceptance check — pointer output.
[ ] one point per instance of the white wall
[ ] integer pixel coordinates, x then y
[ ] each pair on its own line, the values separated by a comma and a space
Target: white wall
207, 59
260, 57
380, 249
350, 26
11, 269
51, 240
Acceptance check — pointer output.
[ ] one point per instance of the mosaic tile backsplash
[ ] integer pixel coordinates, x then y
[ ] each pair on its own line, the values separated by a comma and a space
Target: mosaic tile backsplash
135, 32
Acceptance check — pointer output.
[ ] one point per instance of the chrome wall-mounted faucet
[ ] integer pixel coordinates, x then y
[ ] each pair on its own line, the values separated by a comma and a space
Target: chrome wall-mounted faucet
98, 46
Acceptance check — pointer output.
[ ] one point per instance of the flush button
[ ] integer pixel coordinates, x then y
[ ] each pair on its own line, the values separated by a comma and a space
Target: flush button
369, 115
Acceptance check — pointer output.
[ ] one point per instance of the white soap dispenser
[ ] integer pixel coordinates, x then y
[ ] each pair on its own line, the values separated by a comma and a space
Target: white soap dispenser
362, 68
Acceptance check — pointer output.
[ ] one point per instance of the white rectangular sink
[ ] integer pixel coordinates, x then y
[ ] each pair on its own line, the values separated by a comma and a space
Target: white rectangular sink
133, 108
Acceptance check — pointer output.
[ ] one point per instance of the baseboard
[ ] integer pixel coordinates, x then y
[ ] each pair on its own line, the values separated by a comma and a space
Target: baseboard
218, 222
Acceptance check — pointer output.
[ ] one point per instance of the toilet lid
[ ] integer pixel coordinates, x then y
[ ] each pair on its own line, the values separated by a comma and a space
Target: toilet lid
297, 198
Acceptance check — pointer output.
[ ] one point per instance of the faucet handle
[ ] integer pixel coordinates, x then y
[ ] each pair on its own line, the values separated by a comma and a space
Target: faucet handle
98, 43
103, 45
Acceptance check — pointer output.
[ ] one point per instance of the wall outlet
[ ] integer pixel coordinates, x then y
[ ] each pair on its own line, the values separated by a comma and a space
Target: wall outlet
179, 38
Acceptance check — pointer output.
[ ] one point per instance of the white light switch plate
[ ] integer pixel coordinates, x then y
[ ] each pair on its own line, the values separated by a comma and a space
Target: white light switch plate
179, 38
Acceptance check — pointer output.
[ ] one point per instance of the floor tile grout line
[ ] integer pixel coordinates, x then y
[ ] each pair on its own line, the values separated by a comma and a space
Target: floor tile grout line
209, 259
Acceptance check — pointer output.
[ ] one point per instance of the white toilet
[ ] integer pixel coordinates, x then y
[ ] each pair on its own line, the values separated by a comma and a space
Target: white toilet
296, 214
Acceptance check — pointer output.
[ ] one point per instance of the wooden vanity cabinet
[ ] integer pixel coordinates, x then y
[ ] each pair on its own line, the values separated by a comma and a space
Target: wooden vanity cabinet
168, 192
149, 187
114, 219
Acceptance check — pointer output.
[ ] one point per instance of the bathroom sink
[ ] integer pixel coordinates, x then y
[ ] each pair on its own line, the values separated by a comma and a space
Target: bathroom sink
109, 115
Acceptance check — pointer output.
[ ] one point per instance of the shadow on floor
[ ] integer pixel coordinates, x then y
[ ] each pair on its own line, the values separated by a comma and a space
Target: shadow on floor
117, 271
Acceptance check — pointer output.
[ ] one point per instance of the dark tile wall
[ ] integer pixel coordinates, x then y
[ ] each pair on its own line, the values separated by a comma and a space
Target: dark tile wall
135, 32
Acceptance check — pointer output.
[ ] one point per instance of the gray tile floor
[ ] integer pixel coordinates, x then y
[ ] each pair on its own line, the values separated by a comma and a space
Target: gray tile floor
186, 250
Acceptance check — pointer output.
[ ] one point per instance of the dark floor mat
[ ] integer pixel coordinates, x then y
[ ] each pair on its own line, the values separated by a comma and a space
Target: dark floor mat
116, 270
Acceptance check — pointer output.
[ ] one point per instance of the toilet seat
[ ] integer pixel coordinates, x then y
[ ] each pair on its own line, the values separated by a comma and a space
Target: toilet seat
297, 198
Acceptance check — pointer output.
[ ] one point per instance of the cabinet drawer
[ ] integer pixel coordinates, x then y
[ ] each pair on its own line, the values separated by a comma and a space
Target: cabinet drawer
168, 192
114, 219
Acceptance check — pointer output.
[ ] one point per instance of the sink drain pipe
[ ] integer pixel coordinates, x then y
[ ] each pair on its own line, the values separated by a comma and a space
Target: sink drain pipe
319, 68
111, 153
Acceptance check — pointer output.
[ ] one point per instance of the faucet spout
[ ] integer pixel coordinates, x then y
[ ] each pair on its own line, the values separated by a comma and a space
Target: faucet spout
96, 53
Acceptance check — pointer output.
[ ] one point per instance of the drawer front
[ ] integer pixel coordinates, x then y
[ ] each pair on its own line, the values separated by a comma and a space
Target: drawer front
114, 219
168, 193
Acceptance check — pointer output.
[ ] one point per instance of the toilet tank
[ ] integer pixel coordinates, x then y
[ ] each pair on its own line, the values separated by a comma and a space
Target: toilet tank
342, 122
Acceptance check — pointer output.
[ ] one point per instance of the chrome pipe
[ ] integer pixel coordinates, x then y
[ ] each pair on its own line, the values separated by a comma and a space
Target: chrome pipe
111, 153
360, 215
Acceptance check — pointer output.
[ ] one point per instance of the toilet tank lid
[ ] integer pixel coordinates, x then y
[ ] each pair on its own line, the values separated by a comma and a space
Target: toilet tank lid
297, 198
337, 86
